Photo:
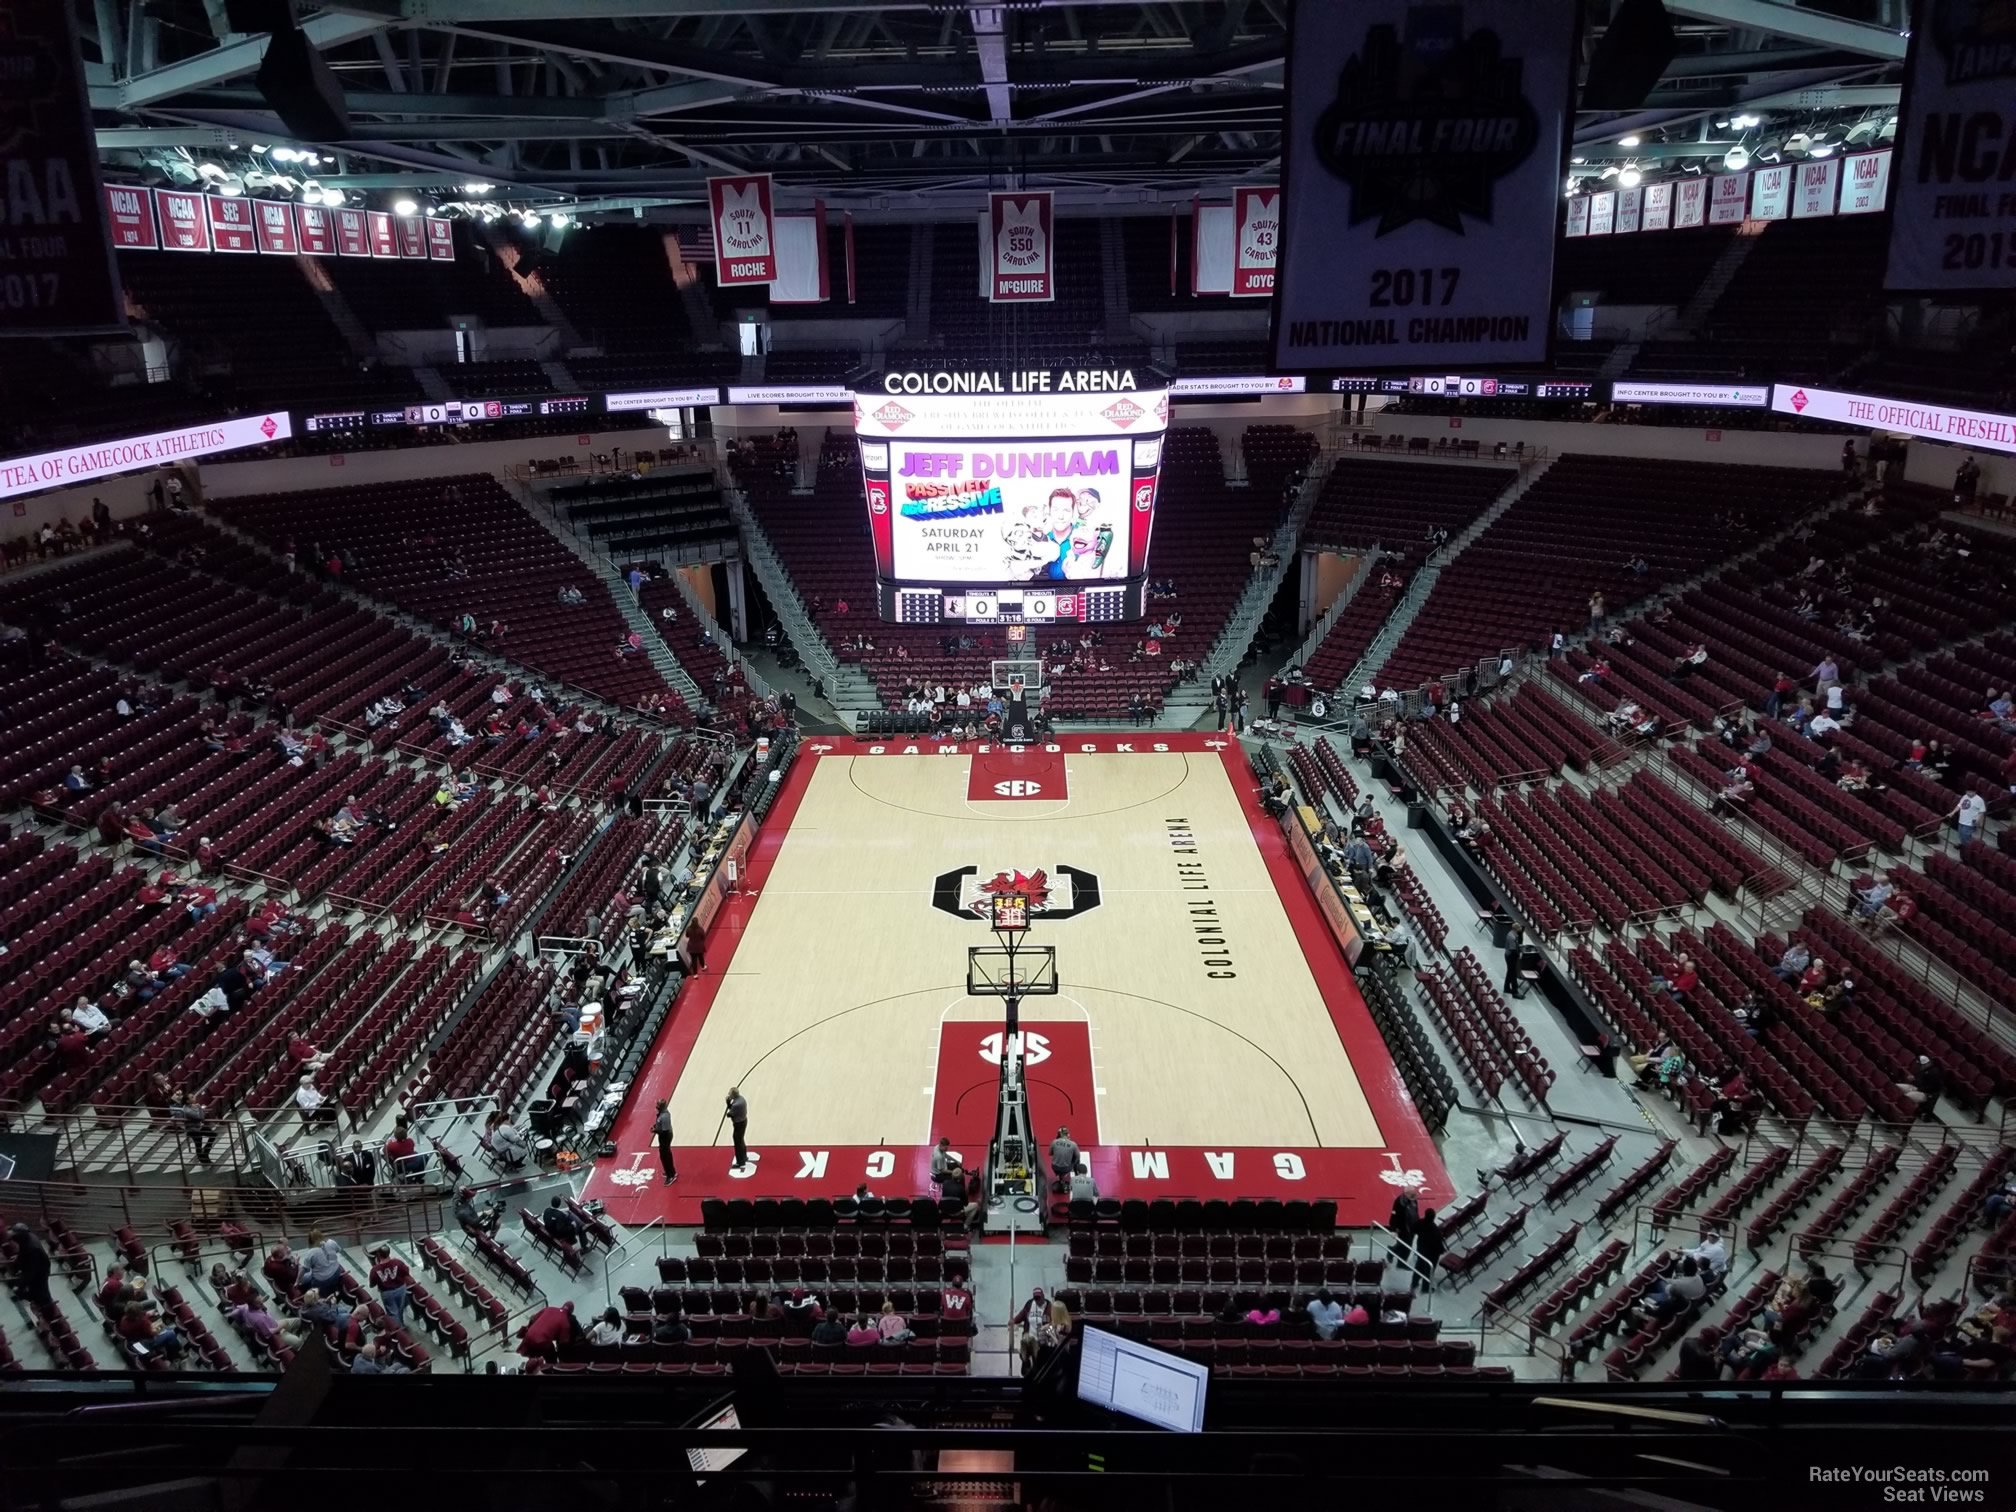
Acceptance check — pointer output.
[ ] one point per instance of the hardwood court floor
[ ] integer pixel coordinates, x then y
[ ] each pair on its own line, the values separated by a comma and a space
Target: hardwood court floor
1206, 1023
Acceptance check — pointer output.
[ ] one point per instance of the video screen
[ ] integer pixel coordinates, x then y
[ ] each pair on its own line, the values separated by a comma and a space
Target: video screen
1002, 488
1150, 1384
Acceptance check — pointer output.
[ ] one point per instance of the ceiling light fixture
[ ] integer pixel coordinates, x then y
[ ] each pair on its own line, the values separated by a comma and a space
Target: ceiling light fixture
1630, 178
405, 207
1736, 159
1629, 141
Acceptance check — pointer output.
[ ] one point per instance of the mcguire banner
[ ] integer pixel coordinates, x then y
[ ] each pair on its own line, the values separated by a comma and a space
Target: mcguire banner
1422, 167
1951, 229
1021, 241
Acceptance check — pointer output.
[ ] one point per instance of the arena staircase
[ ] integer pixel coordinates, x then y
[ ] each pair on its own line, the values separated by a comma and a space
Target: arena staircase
606, 568
1702, 304
1425, 579
846, 688
719, 635
547, 306
432, 384
1236, 639
1321, 627
363, 345
557, 374
1113, 271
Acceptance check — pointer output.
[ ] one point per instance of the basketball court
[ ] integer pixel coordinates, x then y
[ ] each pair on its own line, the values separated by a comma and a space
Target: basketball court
1205, 1039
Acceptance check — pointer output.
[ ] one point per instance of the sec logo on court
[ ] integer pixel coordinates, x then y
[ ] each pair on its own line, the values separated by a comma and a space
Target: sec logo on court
1018, 787
1035, 1048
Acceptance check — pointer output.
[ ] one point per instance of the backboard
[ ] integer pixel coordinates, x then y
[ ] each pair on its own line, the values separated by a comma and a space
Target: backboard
989, 973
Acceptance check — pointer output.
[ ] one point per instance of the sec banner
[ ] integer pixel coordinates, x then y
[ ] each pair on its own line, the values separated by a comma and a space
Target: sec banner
745, 243
1952, 229
1423, 163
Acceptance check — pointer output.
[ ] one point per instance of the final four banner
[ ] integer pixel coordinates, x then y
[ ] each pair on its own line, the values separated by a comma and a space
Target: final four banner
1951, 226
745, 241
1019, 248
1423, 163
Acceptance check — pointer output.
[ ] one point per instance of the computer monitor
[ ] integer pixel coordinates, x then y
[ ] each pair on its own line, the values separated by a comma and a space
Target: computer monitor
709, 1460
1150, 1384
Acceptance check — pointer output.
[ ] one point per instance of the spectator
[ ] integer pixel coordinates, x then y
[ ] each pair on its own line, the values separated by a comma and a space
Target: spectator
606, 1330
1063, 1160
1711, 1254
549, 1329
325, 1312
893, 1327
1866, 906
1325, 1314
394, 1282
830, 1331
321, 1262
1673, 1295
374, 1359
1926, 1083
1793, 962
1970, 814
506, 1142
31, 1269
1698, 1358
561, 1223
864, 1334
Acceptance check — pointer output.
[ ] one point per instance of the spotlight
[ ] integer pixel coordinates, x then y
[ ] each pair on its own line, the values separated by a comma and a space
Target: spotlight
210, 170
285, 155
1630, 178
1629, 141
231, 186
1745, 122
477, 188
405, 207
1736, 159
1822, 149
1610, 172
531, 217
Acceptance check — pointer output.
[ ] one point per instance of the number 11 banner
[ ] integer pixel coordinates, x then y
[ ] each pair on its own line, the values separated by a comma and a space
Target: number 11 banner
1421, 177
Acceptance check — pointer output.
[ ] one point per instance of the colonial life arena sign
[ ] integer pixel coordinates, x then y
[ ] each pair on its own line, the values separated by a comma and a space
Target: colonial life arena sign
1007, 381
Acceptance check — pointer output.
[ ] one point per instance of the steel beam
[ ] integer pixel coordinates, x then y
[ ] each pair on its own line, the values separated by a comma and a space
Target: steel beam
1799, 24
235, 59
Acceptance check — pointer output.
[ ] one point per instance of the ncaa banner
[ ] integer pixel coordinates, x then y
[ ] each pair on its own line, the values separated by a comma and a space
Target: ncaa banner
184, 227
1951, 230
745, 242
316, 228
1813, 190
1771, 192
1690, 202
276, 227
353, 234
1424, 159
129, 217
1865, 183
54, 251
1258, 213
1020, 244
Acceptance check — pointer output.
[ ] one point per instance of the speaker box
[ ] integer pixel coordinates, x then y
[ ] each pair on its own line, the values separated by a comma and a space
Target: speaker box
301, 89
1634, 52
259, 15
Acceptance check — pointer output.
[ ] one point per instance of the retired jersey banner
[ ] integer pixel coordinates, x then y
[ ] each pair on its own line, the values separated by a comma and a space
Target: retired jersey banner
1771, 192
231, 227
1211, 250
745, 240
1021, 241
1951, 230
1865, 183
54, 251
1658, 212
129, 217
1813, 190
1690, 203
276, 227
1258, 214
1423, 161
316, 229
804, 275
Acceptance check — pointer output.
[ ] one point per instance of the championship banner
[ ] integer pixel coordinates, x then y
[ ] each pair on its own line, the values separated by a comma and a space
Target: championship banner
1950, 231
1771, 192
353, 234
184, 227
1630, 206
745, 248
129, 217
1728, 199
276, 227
56, 255
1424, 156
803, 274
440, 239
1865, 183
1690, 203
1813, 191
231, 227
316, 228
1603, 213
1578, 216
1020, 245
412, 237
1658, 212
1258, 215
384, 240
1212, 253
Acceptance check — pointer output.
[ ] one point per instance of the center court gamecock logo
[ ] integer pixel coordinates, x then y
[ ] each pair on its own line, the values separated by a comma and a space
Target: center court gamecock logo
1055, 893
1423, 126
1123, 413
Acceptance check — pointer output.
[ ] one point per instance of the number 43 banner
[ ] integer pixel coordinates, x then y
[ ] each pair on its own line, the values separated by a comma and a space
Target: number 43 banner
1421, 174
